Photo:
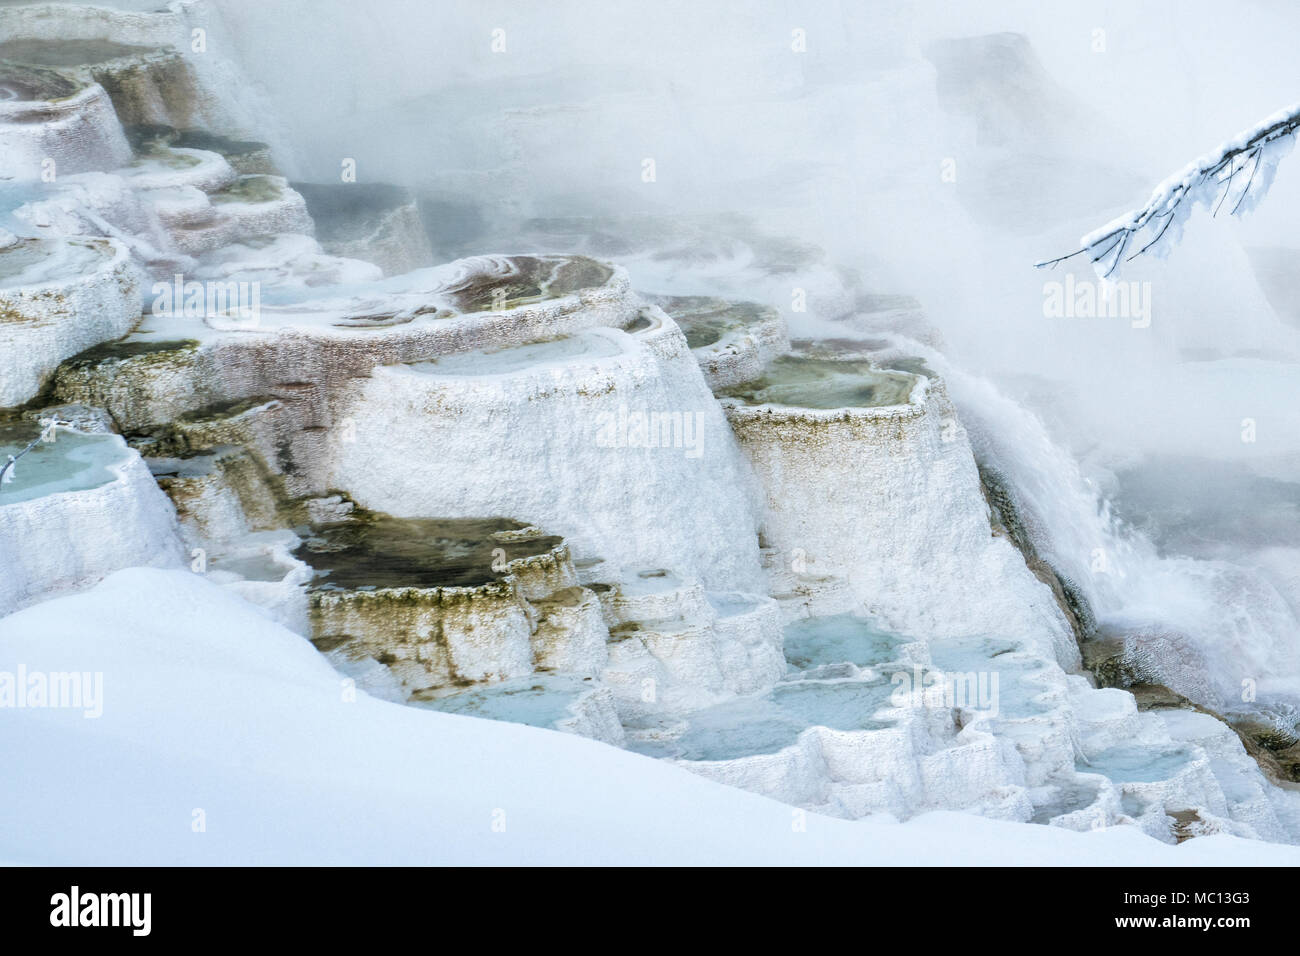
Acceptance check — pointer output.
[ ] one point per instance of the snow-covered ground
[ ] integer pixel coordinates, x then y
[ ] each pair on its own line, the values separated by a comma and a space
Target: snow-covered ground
226, 739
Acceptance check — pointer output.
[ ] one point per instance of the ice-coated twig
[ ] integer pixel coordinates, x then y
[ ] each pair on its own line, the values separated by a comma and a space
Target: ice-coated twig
1208, 180
48, 427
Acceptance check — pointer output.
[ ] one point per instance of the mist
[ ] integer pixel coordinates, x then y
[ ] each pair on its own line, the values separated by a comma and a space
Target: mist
927, 150
842, 145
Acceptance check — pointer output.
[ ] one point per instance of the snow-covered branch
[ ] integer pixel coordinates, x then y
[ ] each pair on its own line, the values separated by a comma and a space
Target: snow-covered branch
1237, 176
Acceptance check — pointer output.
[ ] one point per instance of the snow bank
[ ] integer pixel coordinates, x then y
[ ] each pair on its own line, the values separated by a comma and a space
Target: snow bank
226, 739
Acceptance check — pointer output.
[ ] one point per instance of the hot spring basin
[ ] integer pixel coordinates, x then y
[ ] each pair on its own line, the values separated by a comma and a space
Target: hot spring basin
802, 382
72, 462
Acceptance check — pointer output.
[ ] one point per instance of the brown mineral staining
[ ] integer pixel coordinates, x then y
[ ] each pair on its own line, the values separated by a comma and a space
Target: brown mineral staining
375, 551
1185, 824
250, 189
139, 80
1276, 750
565, 597
131, 348
525, 280
168, 157
33, 85
621, 632
246, 156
